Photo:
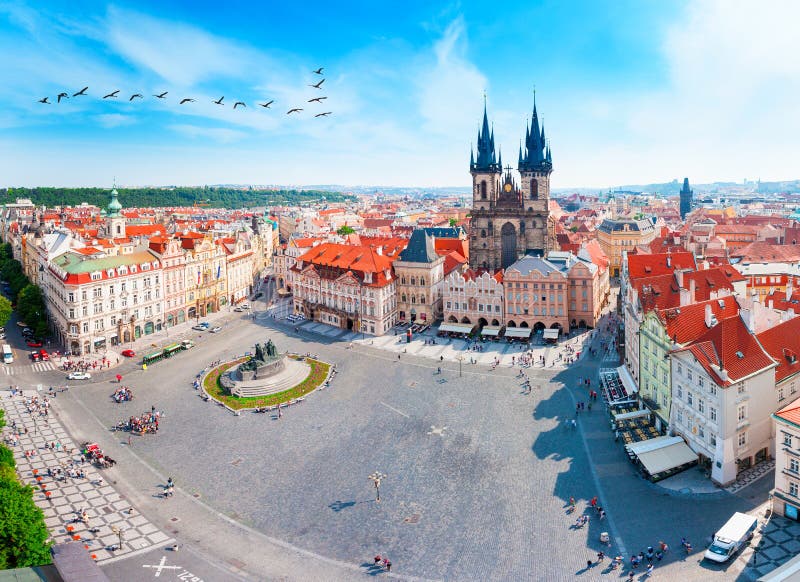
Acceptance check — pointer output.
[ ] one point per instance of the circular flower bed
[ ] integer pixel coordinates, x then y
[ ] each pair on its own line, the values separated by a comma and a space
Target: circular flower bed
214, 388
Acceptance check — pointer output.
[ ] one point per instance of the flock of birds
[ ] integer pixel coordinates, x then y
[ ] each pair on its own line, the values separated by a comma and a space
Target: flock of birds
185, 100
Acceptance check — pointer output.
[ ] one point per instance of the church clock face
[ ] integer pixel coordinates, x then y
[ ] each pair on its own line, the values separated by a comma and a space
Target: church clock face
507, 187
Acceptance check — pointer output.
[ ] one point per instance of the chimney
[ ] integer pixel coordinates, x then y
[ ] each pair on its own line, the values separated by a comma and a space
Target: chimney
705, 265
679, 277
789, 289
669, 261
771, 304
692, 290
748, 317
708, 316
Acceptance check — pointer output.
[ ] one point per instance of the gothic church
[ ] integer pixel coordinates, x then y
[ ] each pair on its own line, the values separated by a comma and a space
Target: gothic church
510, 219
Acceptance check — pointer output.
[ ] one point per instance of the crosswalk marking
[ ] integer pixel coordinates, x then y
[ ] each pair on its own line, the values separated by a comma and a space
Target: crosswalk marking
43, 366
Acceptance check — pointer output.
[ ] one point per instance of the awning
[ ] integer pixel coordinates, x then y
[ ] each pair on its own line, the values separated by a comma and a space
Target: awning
283, 291
634, 414
457, 327
627, 380
520, 332
653, 444
490, 330
666, 458
551, 333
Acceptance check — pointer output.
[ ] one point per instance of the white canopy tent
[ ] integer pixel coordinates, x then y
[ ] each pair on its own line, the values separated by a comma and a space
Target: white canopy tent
653, 444
634, 414
518, 332
551, 333
457, 327
666, 458
491, 330
627, 380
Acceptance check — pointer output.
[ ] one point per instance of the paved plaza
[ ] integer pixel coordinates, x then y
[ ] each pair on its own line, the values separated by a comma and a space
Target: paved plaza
479, 473
63, 501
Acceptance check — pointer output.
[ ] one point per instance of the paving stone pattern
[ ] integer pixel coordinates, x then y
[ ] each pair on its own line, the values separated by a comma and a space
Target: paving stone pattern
102, 503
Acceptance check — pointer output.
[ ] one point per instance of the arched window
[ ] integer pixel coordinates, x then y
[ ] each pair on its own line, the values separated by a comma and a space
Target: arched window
403, 281
483, 190
483, 234
413, 280
404, 297
422, 299
534, 189
522, 227
422, 280
413, 299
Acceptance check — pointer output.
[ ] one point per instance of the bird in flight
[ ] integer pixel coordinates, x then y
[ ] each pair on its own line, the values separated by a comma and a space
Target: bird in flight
112, 95
44, 101
135, 95
81, 92
187, 100
318, 85
319, 71
162, 95
316, 99
62, 96
323, 114
220, 100
295, 110
235, 105
267, 104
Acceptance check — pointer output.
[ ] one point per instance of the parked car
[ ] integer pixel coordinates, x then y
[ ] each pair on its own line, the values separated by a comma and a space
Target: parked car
79, 376
186, 344
35, 356
732, 537
199, 327
238, 309
22, 324
245, 306
44, 355
216, 329
128, 353
32, 343
27, 331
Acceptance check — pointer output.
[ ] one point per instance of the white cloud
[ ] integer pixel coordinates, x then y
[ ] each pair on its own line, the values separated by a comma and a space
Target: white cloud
451, 86
109, 120
220, 134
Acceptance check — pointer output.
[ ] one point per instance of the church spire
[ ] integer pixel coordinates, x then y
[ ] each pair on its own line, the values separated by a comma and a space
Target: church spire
486, 160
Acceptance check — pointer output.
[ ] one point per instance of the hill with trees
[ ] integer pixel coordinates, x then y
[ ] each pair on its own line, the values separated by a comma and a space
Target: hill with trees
211, 196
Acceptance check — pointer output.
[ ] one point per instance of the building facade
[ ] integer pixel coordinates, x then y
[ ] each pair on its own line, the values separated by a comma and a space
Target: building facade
619, 237
510, 220
474, 297
786, 493
419, 273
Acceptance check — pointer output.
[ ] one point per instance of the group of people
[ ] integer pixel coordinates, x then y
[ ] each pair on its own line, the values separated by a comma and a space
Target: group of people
85, 365
383, 560
123, 394
145, 423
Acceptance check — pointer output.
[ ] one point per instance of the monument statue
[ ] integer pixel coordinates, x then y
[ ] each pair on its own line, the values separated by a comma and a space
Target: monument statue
271, 349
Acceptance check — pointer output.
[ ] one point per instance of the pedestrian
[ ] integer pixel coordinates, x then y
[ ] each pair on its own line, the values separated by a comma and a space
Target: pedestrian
649, 570
631, 576
398, 357
388, 565
378, 559
600, 557
659, 555
593, 502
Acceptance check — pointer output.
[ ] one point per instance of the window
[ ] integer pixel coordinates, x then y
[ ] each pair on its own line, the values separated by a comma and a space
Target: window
680, 370
794, 465
72, 314
740, 388
787, 440
701, 432
72, 297
713, 390
700, 406
689, 375
792, 488
73, 328
689, 398
741, 413
679, 414
792, 388
712, 439
85, 327
83, 295
700, 381
780, 394
680, 391
742, 438
113, 320
712, 412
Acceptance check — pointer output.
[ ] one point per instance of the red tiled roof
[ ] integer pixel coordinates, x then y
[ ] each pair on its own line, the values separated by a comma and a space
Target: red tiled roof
452, 261
687, 323
763, 252
732, 347
364, 259
782, 342
650, 265
447, 245
790, 413
661, 292
144, 229
707, 282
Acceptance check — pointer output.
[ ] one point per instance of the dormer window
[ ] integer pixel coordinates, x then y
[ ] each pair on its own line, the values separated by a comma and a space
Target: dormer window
97, 276
110, 272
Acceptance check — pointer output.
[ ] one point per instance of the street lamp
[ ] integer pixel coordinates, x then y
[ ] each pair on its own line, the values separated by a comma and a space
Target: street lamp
460, 359
118, 531
376, 478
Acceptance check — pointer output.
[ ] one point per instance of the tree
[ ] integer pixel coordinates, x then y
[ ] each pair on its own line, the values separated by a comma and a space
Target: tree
453, 222
23, 534
31, 308
345, 230
5, 311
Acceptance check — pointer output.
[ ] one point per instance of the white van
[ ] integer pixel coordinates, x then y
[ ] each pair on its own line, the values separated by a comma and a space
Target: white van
733, 535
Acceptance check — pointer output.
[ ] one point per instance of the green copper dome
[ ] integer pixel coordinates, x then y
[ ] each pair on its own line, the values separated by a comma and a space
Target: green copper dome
114, 206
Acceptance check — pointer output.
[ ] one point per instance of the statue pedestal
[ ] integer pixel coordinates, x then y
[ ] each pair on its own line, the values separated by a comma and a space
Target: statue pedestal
265, 370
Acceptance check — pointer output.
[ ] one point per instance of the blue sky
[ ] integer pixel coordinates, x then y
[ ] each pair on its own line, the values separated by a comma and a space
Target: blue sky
630, 91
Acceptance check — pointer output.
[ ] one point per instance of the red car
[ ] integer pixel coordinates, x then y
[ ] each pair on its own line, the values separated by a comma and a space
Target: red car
34, 344
128, 353
35, 356
44, 355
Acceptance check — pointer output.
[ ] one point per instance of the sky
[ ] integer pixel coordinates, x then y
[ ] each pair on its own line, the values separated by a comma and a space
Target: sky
630, 92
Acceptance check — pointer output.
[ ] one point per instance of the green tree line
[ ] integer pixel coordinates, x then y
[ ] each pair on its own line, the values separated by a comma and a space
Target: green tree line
214, 196
30, 302
23, 534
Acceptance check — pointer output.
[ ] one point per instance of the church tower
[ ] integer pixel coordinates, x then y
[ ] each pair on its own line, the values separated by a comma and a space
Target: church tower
686, 199
510, 219
115, 221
